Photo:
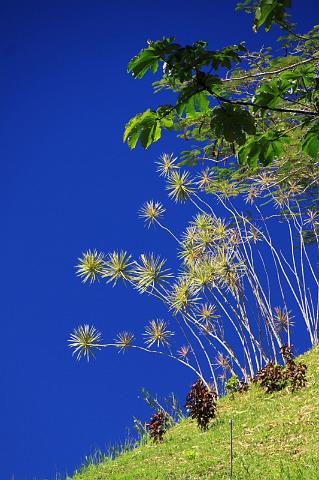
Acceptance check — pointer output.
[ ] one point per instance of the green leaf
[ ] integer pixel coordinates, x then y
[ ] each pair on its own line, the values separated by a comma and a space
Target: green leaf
165, 115
145, 60
185, 99
269, 12
202, 102
189, 157
232, 123
263, 149
310, 141
144, 126
148, 58
133, 138
272, 92
150, 134
304, 74
248, 154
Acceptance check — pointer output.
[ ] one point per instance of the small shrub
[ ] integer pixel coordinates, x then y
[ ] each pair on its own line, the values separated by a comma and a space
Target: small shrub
276, 377
234, 385
287, 354
295, 372
158, 426
201, 404
272, 377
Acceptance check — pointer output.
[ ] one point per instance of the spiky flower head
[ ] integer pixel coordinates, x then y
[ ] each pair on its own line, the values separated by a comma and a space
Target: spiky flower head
151, 211
283, 319
253, 234
294, 188
117, 267
227, 189
182, 296
190, 253
207, 312
223, 362
203, 221
252, 194
204, 238
183, 351
166, 164
156, 332
180, 186
265, 180
190, 235
91, 266
220, 231
83, 340
234, 237
124, 340
228, 271
202, 273
280, 199
204, 179
312, 217
210, 228
150, 272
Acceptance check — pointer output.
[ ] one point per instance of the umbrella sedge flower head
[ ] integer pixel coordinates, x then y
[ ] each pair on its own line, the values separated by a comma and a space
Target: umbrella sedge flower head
312, 217
166, 164
151, 211
156, 332
183, 351
204, 179
91, 266
180, 186
117, 267
181, 296
124, 340
283, 319
203, 221
83, 340
150, 272
207, 312
201, 274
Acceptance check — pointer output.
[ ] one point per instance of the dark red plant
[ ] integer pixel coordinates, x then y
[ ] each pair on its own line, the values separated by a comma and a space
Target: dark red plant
295, 372
158, 425
201, 404
276, 377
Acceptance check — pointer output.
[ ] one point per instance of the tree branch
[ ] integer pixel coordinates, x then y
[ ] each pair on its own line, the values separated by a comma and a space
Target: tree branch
272, 72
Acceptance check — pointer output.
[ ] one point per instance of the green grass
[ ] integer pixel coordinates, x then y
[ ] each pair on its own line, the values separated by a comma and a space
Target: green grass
275, 436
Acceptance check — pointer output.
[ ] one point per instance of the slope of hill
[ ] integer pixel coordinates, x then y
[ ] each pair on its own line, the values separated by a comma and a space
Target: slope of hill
275, 436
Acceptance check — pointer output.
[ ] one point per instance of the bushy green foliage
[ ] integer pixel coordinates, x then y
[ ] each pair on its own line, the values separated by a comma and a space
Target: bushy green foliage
234, 385
261, 116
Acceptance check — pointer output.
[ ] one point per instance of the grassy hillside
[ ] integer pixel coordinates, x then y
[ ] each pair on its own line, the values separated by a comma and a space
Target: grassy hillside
275, 436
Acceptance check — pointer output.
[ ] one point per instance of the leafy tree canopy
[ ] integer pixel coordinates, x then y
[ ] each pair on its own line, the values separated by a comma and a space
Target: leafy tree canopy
246, 112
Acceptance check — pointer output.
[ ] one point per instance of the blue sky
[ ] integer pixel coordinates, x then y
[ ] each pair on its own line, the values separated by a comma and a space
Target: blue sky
68, 184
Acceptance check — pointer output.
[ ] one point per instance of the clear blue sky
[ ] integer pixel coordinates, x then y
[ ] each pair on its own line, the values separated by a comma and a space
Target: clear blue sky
69, 184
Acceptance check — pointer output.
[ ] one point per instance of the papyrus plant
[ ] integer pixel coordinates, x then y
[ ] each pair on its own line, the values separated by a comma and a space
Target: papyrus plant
243, 282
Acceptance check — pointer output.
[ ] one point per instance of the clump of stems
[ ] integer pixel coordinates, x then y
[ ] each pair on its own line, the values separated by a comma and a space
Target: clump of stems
238, 293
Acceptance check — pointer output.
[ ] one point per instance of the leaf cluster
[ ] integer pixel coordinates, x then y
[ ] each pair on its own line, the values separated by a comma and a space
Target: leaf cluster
275, 377
261, 114
234, 385
266, 12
